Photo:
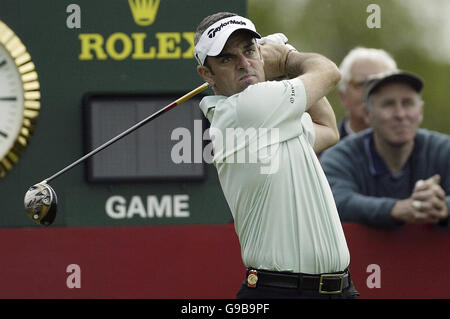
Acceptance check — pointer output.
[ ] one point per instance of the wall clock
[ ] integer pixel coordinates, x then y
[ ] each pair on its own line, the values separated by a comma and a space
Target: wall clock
19, 98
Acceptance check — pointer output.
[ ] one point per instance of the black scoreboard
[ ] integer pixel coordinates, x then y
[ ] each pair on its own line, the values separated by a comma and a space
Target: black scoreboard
167, 148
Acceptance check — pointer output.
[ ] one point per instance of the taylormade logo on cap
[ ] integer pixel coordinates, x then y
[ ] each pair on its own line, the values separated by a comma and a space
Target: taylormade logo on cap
212, 32
213, 40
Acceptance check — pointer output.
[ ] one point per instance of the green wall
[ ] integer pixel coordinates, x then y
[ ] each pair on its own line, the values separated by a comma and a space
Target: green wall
65, 77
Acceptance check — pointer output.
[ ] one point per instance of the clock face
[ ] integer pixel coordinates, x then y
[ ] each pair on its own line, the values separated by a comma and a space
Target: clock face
19, 98
11, 102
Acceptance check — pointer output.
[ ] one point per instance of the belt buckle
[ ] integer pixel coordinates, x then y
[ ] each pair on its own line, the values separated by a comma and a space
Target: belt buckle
333, 292
252, 278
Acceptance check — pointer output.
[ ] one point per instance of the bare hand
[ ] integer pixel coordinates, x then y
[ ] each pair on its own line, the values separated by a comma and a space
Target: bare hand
431, 197
274, 56
405, 211
426, 205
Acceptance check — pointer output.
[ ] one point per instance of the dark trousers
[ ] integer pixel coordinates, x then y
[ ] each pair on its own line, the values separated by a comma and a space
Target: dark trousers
246, 292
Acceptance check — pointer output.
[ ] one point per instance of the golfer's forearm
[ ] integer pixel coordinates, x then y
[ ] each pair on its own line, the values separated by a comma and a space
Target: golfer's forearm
327, 133
322, 113
298, 63
318, 74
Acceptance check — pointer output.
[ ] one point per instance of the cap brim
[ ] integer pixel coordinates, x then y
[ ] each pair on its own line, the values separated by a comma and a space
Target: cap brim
374, 85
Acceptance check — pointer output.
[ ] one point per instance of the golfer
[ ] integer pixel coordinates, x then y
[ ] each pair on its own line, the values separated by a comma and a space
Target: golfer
291, 238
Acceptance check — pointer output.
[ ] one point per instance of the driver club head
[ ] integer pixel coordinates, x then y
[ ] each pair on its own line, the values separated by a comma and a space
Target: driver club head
40, 204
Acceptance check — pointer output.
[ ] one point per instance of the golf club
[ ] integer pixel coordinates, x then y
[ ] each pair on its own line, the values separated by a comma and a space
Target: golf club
40, 200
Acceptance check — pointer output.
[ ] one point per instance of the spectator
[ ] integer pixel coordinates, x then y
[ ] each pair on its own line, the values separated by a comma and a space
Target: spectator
356, 67
394, 172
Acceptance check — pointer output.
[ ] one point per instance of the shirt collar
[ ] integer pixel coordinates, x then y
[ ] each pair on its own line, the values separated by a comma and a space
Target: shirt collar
208, 104
377, 167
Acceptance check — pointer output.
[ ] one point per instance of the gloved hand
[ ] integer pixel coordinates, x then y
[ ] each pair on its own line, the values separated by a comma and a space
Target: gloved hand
278, 38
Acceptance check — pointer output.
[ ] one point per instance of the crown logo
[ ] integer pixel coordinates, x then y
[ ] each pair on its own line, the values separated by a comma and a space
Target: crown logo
144, 11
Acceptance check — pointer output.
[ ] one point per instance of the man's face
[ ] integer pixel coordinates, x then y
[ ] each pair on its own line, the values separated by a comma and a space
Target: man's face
351, 99
395, 113
239, 65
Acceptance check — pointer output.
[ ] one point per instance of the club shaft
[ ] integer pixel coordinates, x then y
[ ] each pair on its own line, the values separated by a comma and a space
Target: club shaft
168, 107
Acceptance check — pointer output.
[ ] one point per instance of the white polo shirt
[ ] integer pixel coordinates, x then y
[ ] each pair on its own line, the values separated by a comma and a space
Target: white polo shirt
283, 208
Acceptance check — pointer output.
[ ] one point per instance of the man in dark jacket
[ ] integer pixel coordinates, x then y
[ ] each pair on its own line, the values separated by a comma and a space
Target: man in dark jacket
393, 173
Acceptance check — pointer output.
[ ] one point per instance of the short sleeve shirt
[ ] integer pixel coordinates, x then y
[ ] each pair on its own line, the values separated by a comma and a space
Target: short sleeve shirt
283, 209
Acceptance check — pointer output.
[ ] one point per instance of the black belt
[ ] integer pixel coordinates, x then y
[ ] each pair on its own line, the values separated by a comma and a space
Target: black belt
332, 283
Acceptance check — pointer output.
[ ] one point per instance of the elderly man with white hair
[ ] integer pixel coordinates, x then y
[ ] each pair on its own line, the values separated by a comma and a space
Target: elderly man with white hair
357, 66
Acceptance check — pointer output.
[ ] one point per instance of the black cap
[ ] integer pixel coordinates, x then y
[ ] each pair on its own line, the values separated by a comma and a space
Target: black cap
376, 82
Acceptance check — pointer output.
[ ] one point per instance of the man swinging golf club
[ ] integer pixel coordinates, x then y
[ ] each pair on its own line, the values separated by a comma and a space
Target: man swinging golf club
291, 238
